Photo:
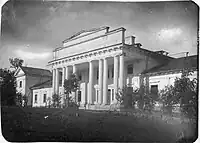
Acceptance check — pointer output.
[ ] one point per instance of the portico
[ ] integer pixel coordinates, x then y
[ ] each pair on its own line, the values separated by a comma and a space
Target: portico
100, 78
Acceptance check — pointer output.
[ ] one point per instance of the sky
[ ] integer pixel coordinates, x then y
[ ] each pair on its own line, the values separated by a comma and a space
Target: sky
30, 30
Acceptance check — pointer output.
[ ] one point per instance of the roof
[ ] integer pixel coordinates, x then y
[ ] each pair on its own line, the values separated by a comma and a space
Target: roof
46, 84
84, 31
36, 71
177, 64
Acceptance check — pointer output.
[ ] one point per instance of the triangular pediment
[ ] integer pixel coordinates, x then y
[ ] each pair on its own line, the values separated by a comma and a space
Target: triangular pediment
19, 72
83, 33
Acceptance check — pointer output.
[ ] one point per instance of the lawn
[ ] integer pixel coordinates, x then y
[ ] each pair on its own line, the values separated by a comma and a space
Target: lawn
43, 124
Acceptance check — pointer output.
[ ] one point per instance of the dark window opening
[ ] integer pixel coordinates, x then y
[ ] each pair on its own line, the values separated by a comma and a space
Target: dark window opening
20, 84
35, 98
97, 74
130, 69
154, 91
60, 78
112, 72
112, 94
79, 96
44, 98
80, 77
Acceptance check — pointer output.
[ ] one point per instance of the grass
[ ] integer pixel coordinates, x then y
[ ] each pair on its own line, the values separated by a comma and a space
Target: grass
30, 124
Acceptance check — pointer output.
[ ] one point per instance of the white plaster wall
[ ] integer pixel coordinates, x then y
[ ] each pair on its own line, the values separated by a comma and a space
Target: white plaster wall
163, 80
40, 94
84, 38
30, 81
23, 88
112, 39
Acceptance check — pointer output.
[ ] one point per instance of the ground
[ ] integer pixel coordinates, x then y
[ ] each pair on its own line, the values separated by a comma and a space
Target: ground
44, 124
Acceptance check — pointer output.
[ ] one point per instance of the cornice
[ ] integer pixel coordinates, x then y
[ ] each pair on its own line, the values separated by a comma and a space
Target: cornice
89, 54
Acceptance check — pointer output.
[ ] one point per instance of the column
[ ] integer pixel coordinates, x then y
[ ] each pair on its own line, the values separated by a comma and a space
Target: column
57, 82
100, 81
105, 80
63, 76
74, 70
66, 72
121, 71
91, 76
116, 73
53, 80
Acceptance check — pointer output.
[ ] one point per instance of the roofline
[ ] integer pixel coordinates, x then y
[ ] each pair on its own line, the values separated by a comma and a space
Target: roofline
165, 71
106, 34
40, 84
152, 52
82, 31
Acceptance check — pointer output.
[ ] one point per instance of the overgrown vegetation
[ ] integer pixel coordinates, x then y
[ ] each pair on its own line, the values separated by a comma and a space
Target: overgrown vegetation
70, 85
183, 93
56, 100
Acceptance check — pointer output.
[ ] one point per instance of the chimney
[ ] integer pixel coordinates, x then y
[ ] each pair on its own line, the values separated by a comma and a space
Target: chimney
107, 29
132, 40
187, 53
138, 45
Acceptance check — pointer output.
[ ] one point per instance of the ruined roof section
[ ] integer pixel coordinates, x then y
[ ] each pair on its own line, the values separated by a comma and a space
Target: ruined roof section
36, 71
190, 62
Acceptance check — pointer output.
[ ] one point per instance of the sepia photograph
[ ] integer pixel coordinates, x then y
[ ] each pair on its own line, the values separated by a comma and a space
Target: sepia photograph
109, 71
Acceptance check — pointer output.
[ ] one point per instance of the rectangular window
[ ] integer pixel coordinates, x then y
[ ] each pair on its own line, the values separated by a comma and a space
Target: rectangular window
108, 73
35, 98
154, 89
44, 98
80, 77
112, 72
60, 78
20, 84
79, 96
112, 94
130, 69
97, 74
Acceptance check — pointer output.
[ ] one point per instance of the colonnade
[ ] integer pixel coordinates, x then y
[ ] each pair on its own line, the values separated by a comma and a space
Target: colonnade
118, 79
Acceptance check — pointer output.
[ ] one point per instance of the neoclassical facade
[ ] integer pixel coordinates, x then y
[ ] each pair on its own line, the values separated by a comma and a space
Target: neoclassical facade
104, 61
107, 60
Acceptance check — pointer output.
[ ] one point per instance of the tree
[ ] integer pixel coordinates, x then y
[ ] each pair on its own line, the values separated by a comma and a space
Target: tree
183, 92
16, 62
70, 85
8, 87
48, 102
56, 99
186, 91
168, 98
144, 99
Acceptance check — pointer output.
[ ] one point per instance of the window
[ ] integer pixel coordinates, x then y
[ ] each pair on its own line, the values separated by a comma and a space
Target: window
112, 94
60, 78
108, 73
80, 77
35, 98
79, 96
154, 89
44, 98
112, 72
97, 74
20, 84
130, 69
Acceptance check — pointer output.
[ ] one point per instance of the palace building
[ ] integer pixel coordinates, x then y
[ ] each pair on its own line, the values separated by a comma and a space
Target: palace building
107, 60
